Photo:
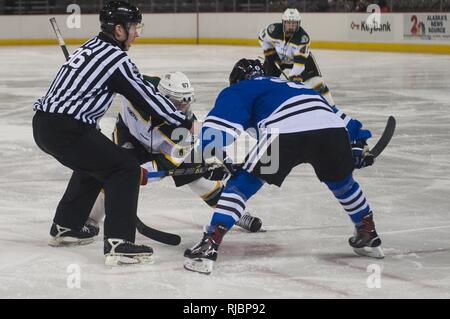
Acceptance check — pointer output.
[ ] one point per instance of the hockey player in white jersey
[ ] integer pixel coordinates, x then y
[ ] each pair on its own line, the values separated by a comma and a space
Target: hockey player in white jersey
160, 146
294, 125
286, 49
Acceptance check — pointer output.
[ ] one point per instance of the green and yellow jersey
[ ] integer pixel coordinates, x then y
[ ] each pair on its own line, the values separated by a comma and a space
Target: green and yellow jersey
292, 52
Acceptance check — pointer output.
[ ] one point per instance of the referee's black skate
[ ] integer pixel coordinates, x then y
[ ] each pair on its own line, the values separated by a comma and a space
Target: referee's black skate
120, 252
365, 241
92, 223
202, 256
63, 236
250, 223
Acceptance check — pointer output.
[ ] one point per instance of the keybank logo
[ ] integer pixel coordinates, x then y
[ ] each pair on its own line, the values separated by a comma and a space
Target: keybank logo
372, 22
370, 27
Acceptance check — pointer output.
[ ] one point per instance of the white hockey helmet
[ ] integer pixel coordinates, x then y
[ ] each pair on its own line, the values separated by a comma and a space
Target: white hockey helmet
291, 21
178, 89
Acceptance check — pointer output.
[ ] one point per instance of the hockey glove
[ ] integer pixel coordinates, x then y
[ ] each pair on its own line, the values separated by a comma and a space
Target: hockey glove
270, 65
355, 132
361, 155
229, 165
216, 174
216, 164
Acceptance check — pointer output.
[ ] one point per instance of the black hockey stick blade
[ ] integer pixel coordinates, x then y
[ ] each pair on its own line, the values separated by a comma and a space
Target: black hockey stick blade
385, 137
157, 235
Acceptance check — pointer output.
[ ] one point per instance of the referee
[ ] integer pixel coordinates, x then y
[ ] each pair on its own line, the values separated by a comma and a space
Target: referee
65, 126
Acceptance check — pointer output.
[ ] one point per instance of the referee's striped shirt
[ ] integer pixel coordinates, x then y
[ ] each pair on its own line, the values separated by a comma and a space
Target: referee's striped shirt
86, 84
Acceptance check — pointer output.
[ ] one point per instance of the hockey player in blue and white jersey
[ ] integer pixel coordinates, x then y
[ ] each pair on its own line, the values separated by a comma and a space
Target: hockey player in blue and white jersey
160, 146
294, 125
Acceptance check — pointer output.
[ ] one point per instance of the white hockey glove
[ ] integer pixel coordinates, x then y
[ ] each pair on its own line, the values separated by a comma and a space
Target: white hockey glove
219, 170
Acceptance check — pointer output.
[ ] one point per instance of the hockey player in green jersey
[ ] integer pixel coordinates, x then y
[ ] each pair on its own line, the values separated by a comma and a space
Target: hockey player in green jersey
286, 46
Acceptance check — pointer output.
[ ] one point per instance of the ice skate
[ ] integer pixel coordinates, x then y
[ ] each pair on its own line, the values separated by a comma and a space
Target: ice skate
365, 241
120, 252
202, 256
63, 236
250, 223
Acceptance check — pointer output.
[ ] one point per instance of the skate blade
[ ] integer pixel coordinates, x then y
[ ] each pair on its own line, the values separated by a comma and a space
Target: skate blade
69, 241
373, 252
202, 266
120, 260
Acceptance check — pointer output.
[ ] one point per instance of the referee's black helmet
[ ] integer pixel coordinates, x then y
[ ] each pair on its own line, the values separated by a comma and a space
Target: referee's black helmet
118, 12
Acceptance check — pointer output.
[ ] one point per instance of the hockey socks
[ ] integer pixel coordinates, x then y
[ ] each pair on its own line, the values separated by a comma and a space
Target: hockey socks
231, 205
350, 196
228, 210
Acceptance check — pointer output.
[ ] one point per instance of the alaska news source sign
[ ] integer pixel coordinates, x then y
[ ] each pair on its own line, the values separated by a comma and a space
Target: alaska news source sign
365, 27
423, 26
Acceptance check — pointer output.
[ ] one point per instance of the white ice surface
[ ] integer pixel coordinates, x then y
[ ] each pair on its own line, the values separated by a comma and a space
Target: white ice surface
304, 253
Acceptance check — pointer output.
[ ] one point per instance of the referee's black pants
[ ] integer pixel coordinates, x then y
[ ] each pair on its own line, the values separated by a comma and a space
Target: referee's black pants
96, 163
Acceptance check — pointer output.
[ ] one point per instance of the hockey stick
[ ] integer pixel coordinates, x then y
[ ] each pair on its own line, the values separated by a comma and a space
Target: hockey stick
282, 72
157, 235
200, 169
381, 144
385, 137
62, 44
172, 239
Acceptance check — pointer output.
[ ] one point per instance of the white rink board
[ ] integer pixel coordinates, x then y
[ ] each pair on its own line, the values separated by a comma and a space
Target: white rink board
334, 27
304, 253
